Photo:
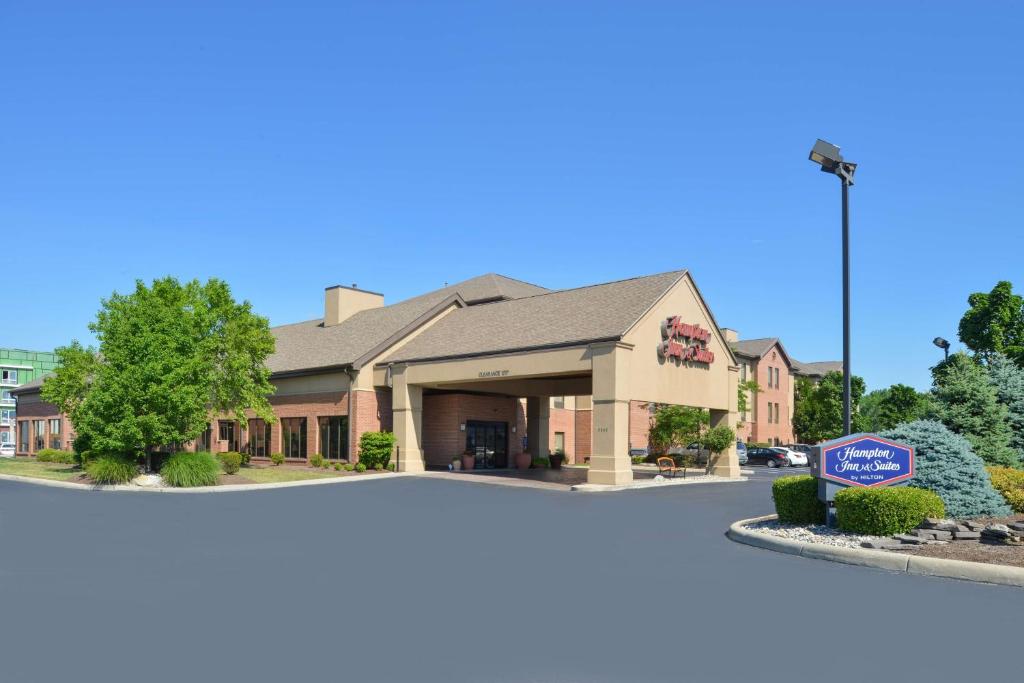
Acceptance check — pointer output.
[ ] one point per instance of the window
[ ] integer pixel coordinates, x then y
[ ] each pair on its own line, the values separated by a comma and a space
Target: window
203, 442
334, 437
776, 413
9, 376
55, 433
259, 438
559, 401
5, 437
6, 395
769, 378
293, 437
23, 436
776, 378
7, 416
559, 442
39, 432
769, 413
743, 372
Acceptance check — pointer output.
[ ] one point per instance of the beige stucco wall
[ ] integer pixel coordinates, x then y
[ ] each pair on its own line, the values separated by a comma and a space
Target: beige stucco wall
661, 381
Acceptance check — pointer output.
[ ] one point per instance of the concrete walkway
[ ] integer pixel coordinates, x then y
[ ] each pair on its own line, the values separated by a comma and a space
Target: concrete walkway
427, 579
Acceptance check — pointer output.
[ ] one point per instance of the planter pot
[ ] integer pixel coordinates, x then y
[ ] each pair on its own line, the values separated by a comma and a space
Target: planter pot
468, 461
556, 462
523, 461
456, 465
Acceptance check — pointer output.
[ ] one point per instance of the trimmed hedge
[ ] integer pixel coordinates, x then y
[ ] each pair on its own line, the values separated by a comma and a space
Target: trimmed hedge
1010, 483
375, 448
796, 500
884, 512
112, 469
230, 461
316, 460
277, 458
186, 470
55, 455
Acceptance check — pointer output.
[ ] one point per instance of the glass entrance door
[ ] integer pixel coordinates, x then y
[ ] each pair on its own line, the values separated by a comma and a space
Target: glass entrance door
488, 441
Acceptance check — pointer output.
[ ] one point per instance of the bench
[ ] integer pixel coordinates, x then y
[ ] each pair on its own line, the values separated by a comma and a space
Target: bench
667, 466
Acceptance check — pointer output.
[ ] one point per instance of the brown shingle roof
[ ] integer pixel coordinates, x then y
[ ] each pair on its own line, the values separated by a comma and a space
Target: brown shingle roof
753, 348
560, 318
817, 369
308, 345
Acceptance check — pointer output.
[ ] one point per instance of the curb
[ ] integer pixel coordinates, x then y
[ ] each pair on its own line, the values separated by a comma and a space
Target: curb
226, 488
979, 572
643, 486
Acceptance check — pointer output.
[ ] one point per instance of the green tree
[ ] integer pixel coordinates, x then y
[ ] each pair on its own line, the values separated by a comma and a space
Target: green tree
995, 323
750, 386
717, 440
818, 415
870, 408
1008, 379
902, 404
968, 405
676, 426
168, 355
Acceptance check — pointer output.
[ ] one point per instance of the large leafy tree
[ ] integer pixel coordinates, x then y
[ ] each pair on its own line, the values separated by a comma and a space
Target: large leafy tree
995, 323
168, 355
676, 426
895, 405
1008, 379
968, 405
818, 415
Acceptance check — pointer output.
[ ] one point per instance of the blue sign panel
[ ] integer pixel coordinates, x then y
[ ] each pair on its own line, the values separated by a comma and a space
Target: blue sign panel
866, 460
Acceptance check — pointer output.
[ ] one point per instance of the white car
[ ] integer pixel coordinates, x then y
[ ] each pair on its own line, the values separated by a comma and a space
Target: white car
6, 449
795, 458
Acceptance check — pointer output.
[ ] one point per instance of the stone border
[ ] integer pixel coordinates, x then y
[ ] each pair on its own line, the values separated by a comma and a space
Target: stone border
980, 572
226, 488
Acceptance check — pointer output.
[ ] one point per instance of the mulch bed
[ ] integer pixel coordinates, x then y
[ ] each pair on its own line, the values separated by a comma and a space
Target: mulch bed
983, 551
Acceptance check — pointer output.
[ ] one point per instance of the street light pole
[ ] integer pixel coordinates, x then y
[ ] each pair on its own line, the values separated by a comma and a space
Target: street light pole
831, 161
846, 307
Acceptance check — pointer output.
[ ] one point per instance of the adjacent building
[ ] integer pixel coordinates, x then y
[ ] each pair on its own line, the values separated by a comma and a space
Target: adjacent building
492, 366
18, 367
769, 414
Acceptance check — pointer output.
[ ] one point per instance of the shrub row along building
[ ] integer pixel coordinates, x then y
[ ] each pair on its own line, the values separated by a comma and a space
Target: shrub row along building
493, 366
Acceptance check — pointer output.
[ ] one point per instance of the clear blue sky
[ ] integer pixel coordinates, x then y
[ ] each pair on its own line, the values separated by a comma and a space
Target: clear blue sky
288, 146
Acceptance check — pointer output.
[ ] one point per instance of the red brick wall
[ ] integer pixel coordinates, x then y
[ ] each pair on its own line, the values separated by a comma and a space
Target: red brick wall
584, 422
639, 424
371, 412
32, 410
761, 429
443, 413
563, 420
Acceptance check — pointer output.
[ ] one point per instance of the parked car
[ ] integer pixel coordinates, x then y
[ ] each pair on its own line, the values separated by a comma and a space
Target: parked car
6, 450
767, 456
741, 452
802, 447
794, 458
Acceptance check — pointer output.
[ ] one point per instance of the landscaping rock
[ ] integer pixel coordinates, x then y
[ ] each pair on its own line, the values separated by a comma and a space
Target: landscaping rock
1017, 526
941, 535
909, 540
966, 535
148, 480
974, 526
881, 544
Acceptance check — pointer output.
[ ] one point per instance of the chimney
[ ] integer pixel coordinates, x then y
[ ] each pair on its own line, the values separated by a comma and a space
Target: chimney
731, 335
341, 303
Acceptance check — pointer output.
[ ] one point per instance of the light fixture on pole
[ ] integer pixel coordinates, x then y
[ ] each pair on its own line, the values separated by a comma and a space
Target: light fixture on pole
942, 344
831, 161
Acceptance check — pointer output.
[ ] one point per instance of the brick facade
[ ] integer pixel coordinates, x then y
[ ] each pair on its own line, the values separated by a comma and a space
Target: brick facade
370, 412
584, 422
639, 424
30, 412
563, 420
444, 413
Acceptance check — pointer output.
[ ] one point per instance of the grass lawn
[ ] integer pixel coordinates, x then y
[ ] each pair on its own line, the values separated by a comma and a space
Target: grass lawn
40, 470
271, 475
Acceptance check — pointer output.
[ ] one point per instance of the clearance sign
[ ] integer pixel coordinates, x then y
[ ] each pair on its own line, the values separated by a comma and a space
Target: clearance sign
684, 342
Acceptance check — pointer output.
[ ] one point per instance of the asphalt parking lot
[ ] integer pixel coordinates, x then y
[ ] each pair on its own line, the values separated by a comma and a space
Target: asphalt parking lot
416, 579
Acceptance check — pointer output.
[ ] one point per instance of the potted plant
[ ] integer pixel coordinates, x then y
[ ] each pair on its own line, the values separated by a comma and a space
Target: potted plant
556, 459
468, 460
523, 461
456, 463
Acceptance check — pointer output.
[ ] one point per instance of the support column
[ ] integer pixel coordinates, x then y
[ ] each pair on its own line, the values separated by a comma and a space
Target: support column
728, 463
609, 460
538, 426
407, 407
